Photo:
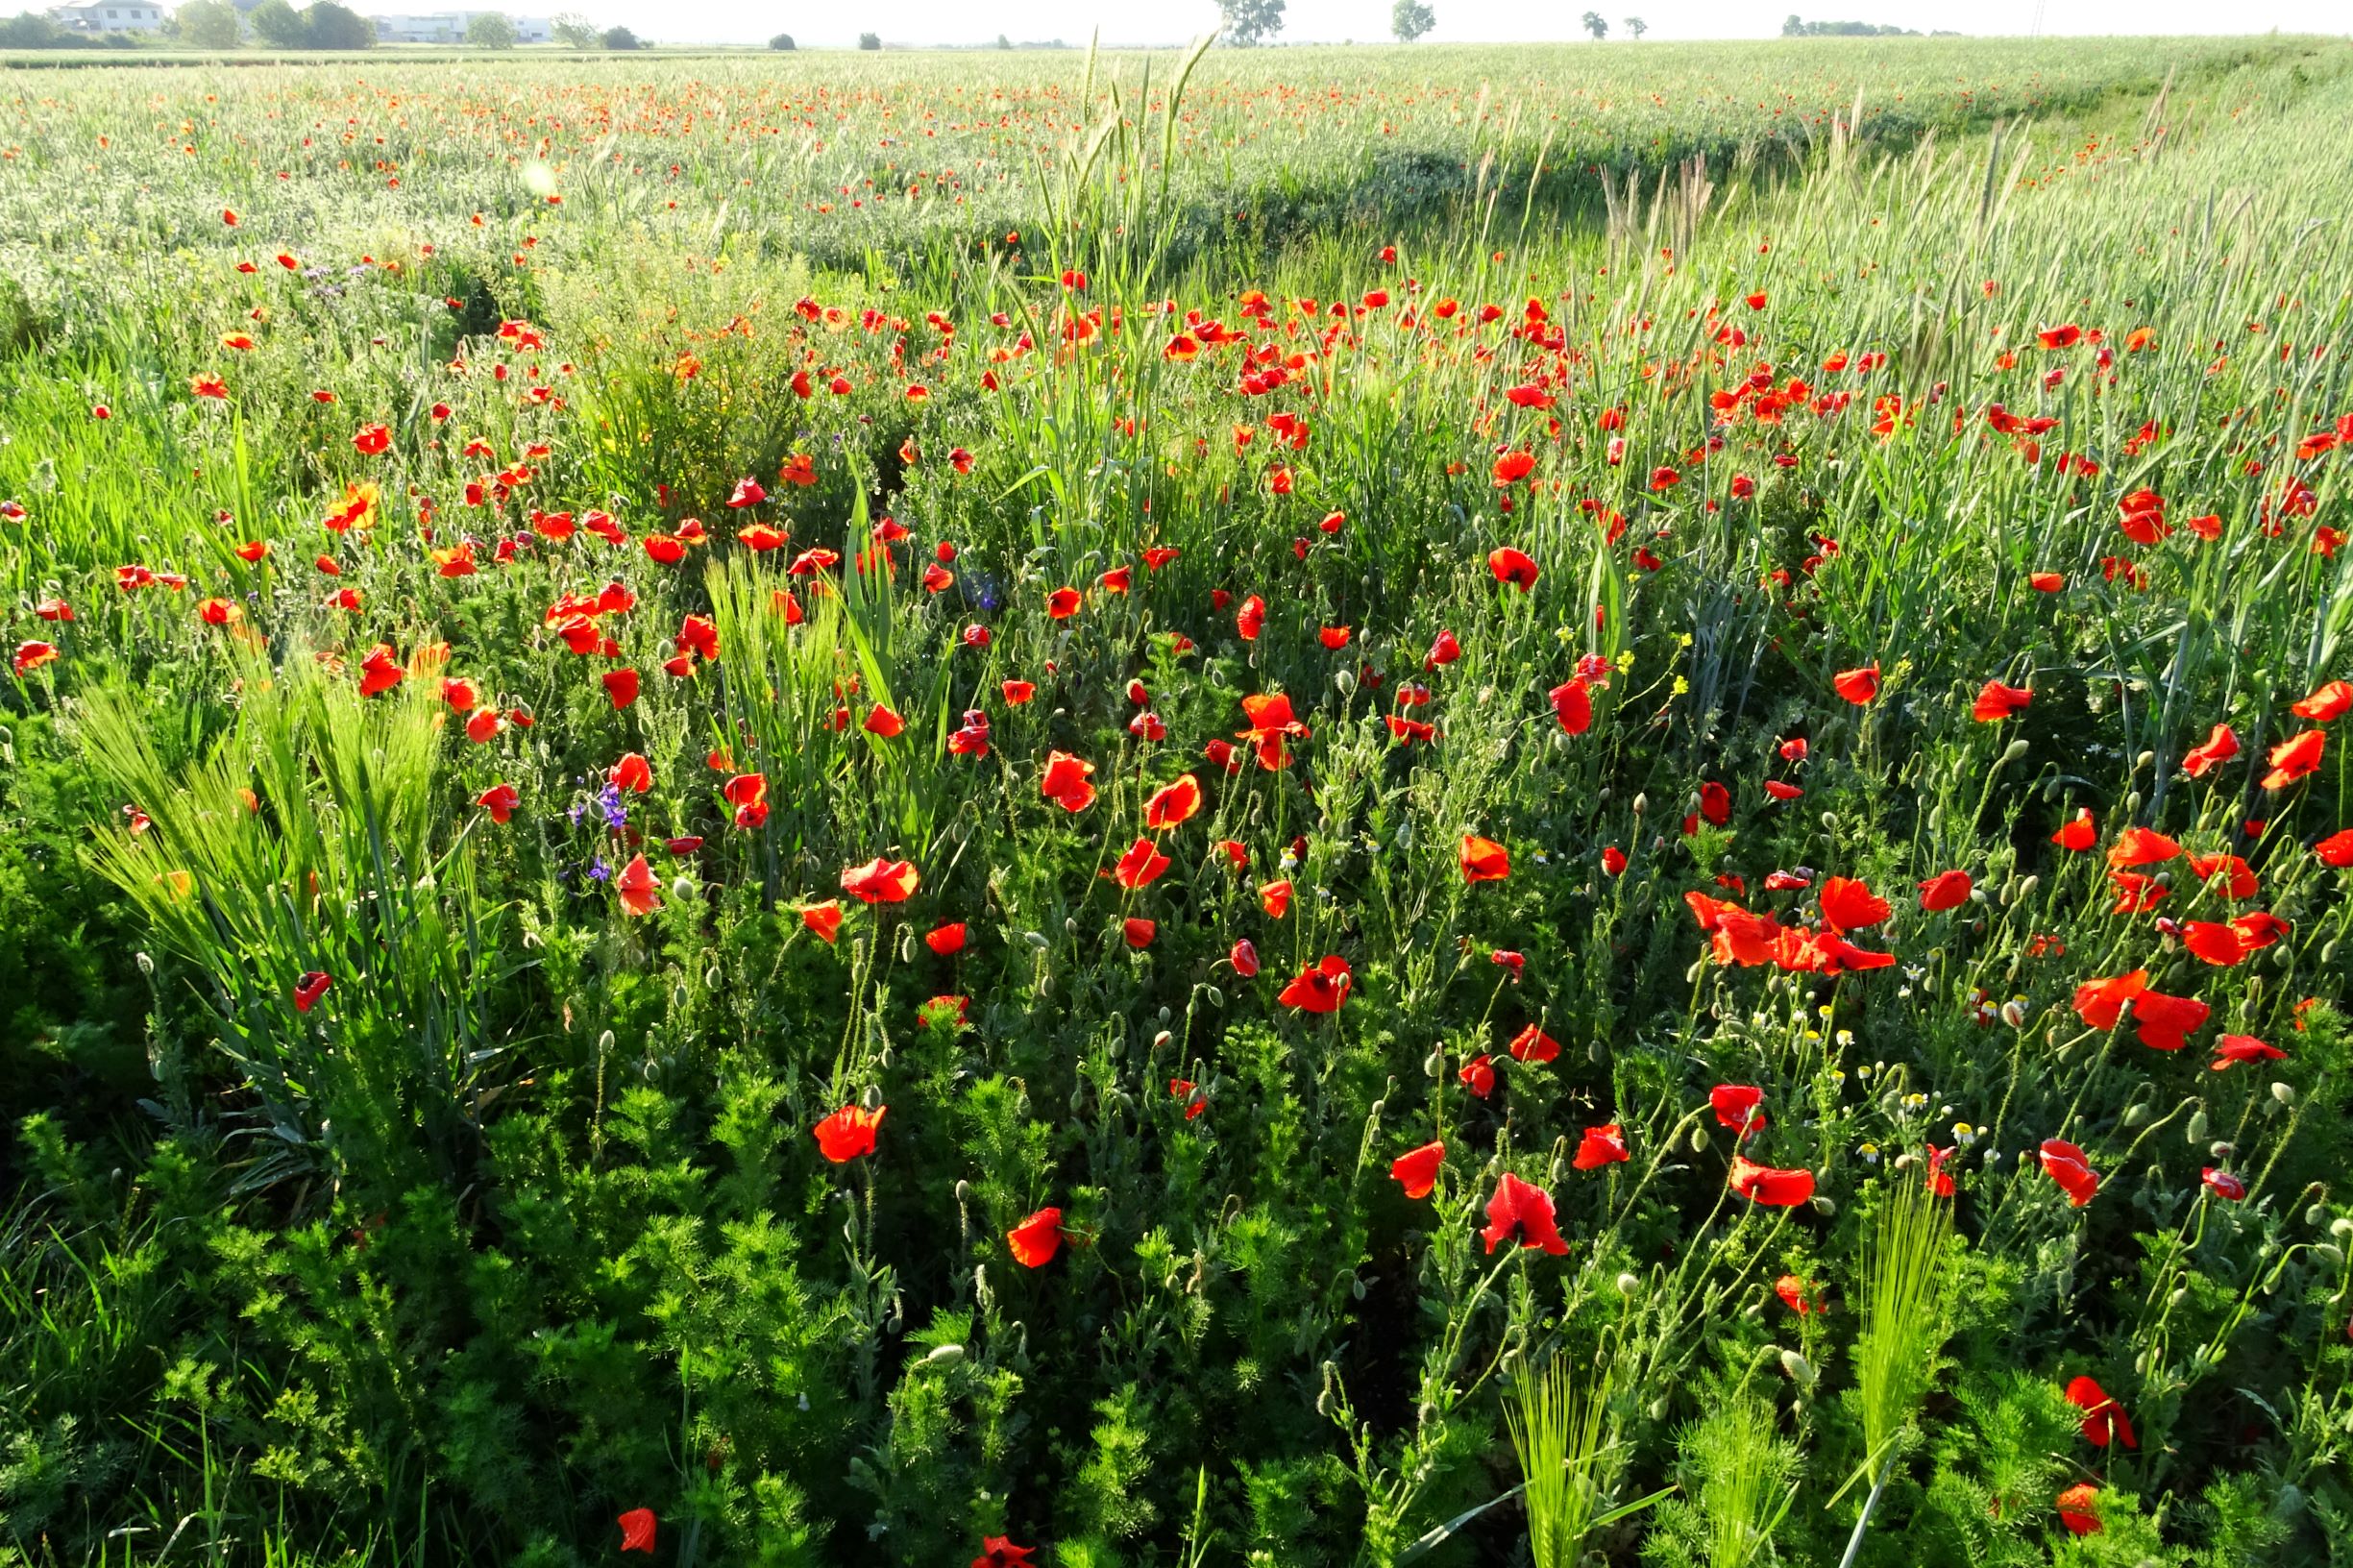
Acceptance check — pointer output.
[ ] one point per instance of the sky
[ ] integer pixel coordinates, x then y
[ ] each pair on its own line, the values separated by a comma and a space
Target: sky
1459, 21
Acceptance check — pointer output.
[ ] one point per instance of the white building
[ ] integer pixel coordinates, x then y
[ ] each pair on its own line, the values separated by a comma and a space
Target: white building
450, 27
110, 16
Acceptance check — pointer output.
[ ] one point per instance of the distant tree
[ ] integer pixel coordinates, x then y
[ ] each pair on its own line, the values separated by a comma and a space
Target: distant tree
486, 30
1592, 23
870, 42
1793, 27
209, 24
1636, 26
782, 42
1251, 22
621, 37
573, 30
1003, 42
278, 25
27, 31
1410, 20
327, 25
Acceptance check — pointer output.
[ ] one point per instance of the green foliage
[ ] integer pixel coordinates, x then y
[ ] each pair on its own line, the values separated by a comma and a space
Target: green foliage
491, 30
1246, 23
278, 25
1410, 19
209, 24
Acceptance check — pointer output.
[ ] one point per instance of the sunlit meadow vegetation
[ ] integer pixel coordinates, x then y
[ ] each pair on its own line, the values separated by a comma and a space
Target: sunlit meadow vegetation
1465, 806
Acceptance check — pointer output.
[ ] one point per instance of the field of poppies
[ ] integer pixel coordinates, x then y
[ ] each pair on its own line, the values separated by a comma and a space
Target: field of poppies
1558, 806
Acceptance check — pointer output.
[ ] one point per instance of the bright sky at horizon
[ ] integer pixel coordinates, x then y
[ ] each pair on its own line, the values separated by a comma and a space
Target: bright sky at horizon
1459, 21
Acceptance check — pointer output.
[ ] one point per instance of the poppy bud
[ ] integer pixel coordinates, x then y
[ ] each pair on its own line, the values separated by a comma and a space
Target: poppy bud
147, 965
2141, 761
2330, 1253
1801, 1371
1628, 1284
1216, 995
2221, 1149
2341, 1227
1829, 821
1642, 803
1699, 1140
1659, 1407
2014, 1014
1434, 1064
944, 1355
2132, 803
1160, 1042
2025, 889
2135, 1115
2196, 1130
2284, 1093
2013, 751
682, 888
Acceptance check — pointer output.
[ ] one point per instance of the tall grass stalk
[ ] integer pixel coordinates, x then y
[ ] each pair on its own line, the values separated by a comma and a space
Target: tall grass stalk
1906, 1287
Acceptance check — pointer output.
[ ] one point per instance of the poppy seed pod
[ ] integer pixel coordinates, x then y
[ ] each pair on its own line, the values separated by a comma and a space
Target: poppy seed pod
2013, 751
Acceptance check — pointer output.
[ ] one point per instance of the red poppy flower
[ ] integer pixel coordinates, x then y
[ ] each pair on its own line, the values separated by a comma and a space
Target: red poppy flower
1849, 904
1140, 866
1173, 805
2296, 758
2213, 941
1572, 705
1139, 932
1947, 890
2065, 1163
823, 920
1997, 702
2104, 1420
1600, 1146
1065, 781
500, 801
848, 1133
2078, 833
31, 656
1857, 686
1477, 1075
881, 881
1320, 988
636, 885
1715, 803
996, 1551
2046, 582
309, 989
2336, 850
1270, 722
884, 723
748, 493
621, 685
1244, 957
380, 671
1275, 897
2232, 1049
1062, 603
2222, 1185
945, 941
2333, 700
2218, 748
1772, 1188
1522, 1213
748, 794
1444, 648
1795, 1294
2100, 1003
371, 440
1037, 1240
2162, 1023
2237, 878
1533, 1045
1484, 860
2075, 1505
1737, 1106
1515, 566
1251, 618
1614, 859
2141, 847
637, 1530
1417, 1170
